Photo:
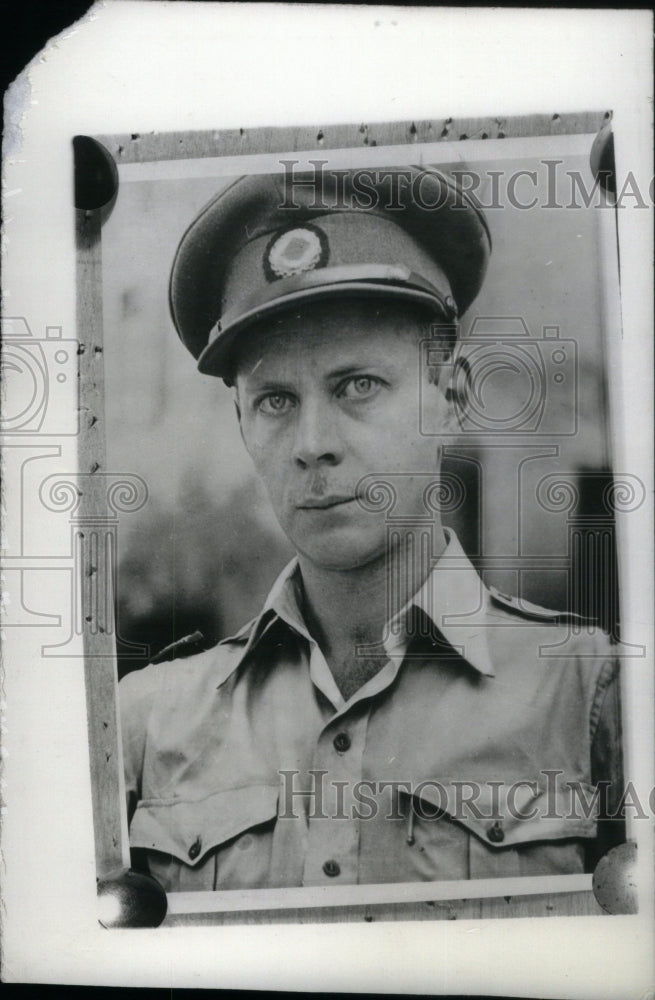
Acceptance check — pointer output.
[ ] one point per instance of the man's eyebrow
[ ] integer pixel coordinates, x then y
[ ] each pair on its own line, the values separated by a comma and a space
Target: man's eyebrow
262, 382
353, 368
267, 385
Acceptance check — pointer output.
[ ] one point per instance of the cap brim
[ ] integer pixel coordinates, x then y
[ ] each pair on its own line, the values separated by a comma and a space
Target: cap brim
220, 357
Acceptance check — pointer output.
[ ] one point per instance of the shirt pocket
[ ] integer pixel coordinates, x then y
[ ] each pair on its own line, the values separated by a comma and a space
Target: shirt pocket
222, 841
509, 830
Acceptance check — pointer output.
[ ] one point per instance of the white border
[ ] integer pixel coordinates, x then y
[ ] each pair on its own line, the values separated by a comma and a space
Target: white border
471, 151
362, 895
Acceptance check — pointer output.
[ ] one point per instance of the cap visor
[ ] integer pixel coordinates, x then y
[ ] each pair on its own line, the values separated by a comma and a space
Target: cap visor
219, 357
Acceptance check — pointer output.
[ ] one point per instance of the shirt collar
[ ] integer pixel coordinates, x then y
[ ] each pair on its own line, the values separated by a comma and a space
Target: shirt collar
285, 598
453, 596
283, 602
455, 599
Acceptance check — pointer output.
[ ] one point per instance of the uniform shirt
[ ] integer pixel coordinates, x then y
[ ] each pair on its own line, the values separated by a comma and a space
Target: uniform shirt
471, 754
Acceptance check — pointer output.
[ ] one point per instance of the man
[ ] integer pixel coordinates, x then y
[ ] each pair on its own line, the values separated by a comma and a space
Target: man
386, 717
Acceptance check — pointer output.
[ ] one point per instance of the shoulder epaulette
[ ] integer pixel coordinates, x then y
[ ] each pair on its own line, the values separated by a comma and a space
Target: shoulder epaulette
534, 612
190, 644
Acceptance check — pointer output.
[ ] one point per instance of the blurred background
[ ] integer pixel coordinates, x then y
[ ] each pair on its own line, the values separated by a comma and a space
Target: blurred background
205, 549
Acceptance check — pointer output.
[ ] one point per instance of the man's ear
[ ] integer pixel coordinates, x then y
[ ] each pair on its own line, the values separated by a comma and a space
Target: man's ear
459, 384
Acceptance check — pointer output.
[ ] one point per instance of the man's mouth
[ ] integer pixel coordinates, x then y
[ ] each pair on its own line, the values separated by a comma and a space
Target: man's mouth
323, 502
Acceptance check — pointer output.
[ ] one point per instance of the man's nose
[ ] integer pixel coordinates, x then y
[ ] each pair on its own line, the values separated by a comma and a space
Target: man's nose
317, 441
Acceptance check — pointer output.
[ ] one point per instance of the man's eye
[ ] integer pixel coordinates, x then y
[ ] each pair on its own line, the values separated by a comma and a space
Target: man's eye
359, 387
275, 403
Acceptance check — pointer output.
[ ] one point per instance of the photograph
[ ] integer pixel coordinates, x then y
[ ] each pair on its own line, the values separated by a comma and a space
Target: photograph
367, 603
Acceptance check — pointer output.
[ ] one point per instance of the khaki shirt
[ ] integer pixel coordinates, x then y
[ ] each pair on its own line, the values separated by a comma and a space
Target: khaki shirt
471, 754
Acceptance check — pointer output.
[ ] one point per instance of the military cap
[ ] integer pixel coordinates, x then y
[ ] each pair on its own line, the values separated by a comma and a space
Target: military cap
271, 242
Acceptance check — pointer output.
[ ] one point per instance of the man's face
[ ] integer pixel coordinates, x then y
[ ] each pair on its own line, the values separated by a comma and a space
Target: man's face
326, 398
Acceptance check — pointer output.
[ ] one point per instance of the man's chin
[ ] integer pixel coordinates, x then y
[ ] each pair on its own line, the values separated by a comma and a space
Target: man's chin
341, 550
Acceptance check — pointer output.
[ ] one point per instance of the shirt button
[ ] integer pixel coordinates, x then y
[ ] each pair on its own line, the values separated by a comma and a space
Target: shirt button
496, 834
194, 850
332, 869
342, 742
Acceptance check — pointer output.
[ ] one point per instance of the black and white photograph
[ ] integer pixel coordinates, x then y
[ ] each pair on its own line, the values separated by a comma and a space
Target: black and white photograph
349, 588
376, 565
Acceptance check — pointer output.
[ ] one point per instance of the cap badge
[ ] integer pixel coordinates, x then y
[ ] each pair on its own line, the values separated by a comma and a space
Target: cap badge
294, 251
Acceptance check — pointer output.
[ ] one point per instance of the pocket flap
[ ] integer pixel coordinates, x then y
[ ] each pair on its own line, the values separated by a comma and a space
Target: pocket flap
189, 829
505, 815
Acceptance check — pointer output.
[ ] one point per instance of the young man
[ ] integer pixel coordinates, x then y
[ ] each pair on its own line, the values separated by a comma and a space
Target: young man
386, 717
